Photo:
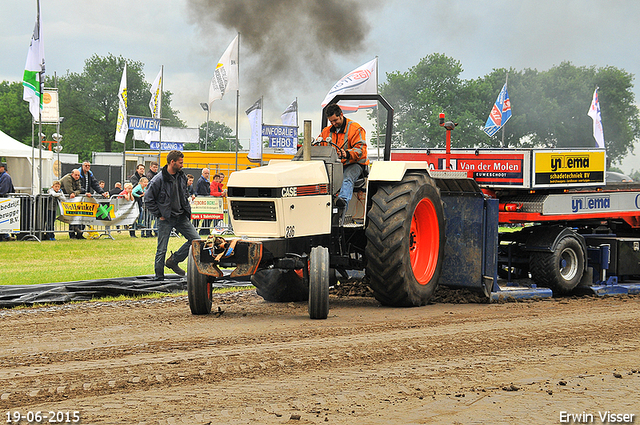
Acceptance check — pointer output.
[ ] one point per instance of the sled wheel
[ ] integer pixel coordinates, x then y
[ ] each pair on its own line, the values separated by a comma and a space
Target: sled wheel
405, 241
198, 288
560, 270
319, 283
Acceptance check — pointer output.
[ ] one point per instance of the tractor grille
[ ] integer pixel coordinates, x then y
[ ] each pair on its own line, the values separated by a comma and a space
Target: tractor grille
254, 210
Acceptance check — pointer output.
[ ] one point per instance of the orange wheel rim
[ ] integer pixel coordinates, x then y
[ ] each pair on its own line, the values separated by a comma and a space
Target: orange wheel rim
424, 241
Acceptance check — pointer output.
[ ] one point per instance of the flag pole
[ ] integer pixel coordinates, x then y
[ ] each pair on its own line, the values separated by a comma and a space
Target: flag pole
505, 83
40, 111
237, 101
160, 113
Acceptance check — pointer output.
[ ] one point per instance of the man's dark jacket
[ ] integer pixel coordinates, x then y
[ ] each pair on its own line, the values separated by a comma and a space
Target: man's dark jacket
160, 192
92, 184
203, 187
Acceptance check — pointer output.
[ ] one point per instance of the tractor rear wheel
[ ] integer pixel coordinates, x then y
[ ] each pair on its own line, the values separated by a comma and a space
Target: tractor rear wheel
405, 241
560, 270
319, 283
198, 288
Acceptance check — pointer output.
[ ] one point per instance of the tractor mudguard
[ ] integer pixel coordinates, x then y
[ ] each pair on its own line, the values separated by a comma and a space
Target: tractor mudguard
546, 238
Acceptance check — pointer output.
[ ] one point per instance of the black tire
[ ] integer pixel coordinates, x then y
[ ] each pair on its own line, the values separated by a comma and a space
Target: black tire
405, 241
319, 283
198, 288
280, 286
560, 270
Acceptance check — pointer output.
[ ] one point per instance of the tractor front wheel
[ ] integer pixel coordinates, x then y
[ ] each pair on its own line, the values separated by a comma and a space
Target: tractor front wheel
198, 288
319, 283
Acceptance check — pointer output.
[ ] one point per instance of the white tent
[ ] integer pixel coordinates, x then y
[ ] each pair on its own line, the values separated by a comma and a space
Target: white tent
23, 172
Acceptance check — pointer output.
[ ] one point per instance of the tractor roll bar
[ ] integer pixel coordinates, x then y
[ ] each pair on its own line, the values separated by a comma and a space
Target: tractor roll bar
379, 98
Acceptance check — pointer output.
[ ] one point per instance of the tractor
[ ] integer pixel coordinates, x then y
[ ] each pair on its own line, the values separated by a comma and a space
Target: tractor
295, 242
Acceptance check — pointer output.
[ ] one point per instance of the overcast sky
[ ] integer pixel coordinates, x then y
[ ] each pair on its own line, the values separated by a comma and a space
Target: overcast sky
300, 48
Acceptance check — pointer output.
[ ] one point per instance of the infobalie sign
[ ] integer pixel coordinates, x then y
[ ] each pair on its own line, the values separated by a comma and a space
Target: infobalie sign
281, 136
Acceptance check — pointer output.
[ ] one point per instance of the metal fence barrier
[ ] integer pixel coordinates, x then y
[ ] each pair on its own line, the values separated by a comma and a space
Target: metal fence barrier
38, 221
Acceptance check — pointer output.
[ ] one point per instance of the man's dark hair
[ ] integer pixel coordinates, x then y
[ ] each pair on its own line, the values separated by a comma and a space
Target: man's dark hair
153, 163
190, 176
333, 109
174, 156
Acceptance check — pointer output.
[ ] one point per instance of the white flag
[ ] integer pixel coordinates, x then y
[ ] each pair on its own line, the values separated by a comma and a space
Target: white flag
225, 76
155, 104
255, 120
362, 80
594, 113
290, 117
35, 65
122, 126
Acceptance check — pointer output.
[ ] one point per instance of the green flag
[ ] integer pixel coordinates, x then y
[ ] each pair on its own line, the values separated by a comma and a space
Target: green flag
34, 66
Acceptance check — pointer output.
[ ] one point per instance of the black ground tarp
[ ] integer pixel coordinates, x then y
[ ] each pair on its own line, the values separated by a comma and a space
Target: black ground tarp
84, 290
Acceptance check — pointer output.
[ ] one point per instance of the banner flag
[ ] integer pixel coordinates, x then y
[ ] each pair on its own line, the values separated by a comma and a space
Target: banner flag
594, 113
34, 66
122, 124
500, 113
362, 80
290, 117
225, 76
255, 120
155, 104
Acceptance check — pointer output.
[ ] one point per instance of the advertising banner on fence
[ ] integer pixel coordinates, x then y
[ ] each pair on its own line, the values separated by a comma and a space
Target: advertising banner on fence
9, 215
205, 207
107, 212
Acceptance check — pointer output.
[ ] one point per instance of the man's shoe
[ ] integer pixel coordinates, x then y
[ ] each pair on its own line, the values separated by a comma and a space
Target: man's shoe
341, 203
80, 237
158, 278
173, 265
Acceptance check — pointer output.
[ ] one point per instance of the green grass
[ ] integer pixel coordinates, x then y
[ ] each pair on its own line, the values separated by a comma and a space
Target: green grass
65, 260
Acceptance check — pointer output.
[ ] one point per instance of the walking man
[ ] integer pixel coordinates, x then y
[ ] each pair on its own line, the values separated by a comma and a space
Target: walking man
167, 199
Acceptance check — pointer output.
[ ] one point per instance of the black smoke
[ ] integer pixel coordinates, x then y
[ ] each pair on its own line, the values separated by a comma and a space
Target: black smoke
285, 42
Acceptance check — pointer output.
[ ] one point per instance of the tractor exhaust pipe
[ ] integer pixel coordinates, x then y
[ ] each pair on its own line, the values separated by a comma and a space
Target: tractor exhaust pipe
306, 144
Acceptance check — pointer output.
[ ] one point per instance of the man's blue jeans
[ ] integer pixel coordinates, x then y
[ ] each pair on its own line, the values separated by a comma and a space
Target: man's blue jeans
183, 225
350, 174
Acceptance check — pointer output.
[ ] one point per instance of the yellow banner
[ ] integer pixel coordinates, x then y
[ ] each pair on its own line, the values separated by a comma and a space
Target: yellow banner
572, 168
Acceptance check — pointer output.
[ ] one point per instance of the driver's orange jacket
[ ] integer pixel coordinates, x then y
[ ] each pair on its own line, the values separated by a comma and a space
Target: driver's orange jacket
355, 143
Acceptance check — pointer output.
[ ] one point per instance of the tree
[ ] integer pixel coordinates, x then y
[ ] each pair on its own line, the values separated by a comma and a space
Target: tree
15, 119
549, 107
89, 103
220, 137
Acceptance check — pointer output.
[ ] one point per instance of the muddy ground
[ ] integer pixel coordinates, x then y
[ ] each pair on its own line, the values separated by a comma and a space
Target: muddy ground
152, 362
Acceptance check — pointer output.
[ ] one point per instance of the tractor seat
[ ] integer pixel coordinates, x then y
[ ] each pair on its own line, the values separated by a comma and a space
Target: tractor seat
361, 184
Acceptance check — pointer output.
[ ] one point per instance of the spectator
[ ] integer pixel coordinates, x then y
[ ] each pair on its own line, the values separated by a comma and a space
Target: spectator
143, 218
153, 170
6, 184
71, 187
191, 189
127, 195
168, 201
203, 189
117, 188
56, 194
101, 184
89, 182
139, 173
217, 191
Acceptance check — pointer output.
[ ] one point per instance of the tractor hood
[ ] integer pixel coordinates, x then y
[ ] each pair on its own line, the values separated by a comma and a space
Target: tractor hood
280, 174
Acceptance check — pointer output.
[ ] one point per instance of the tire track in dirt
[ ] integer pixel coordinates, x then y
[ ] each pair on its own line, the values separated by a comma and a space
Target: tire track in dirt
195, 360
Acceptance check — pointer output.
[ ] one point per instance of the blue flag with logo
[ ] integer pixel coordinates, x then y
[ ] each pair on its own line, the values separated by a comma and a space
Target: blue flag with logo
500, 113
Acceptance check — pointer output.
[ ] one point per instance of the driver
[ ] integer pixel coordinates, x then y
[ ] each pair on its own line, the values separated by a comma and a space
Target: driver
349, 138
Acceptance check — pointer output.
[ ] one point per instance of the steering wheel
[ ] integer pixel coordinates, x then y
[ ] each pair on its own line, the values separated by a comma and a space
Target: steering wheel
317, 143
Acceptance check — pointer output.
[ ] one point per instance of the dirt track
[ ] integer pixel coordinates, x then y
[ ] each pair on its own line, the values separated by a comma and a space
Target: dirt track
152, 362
